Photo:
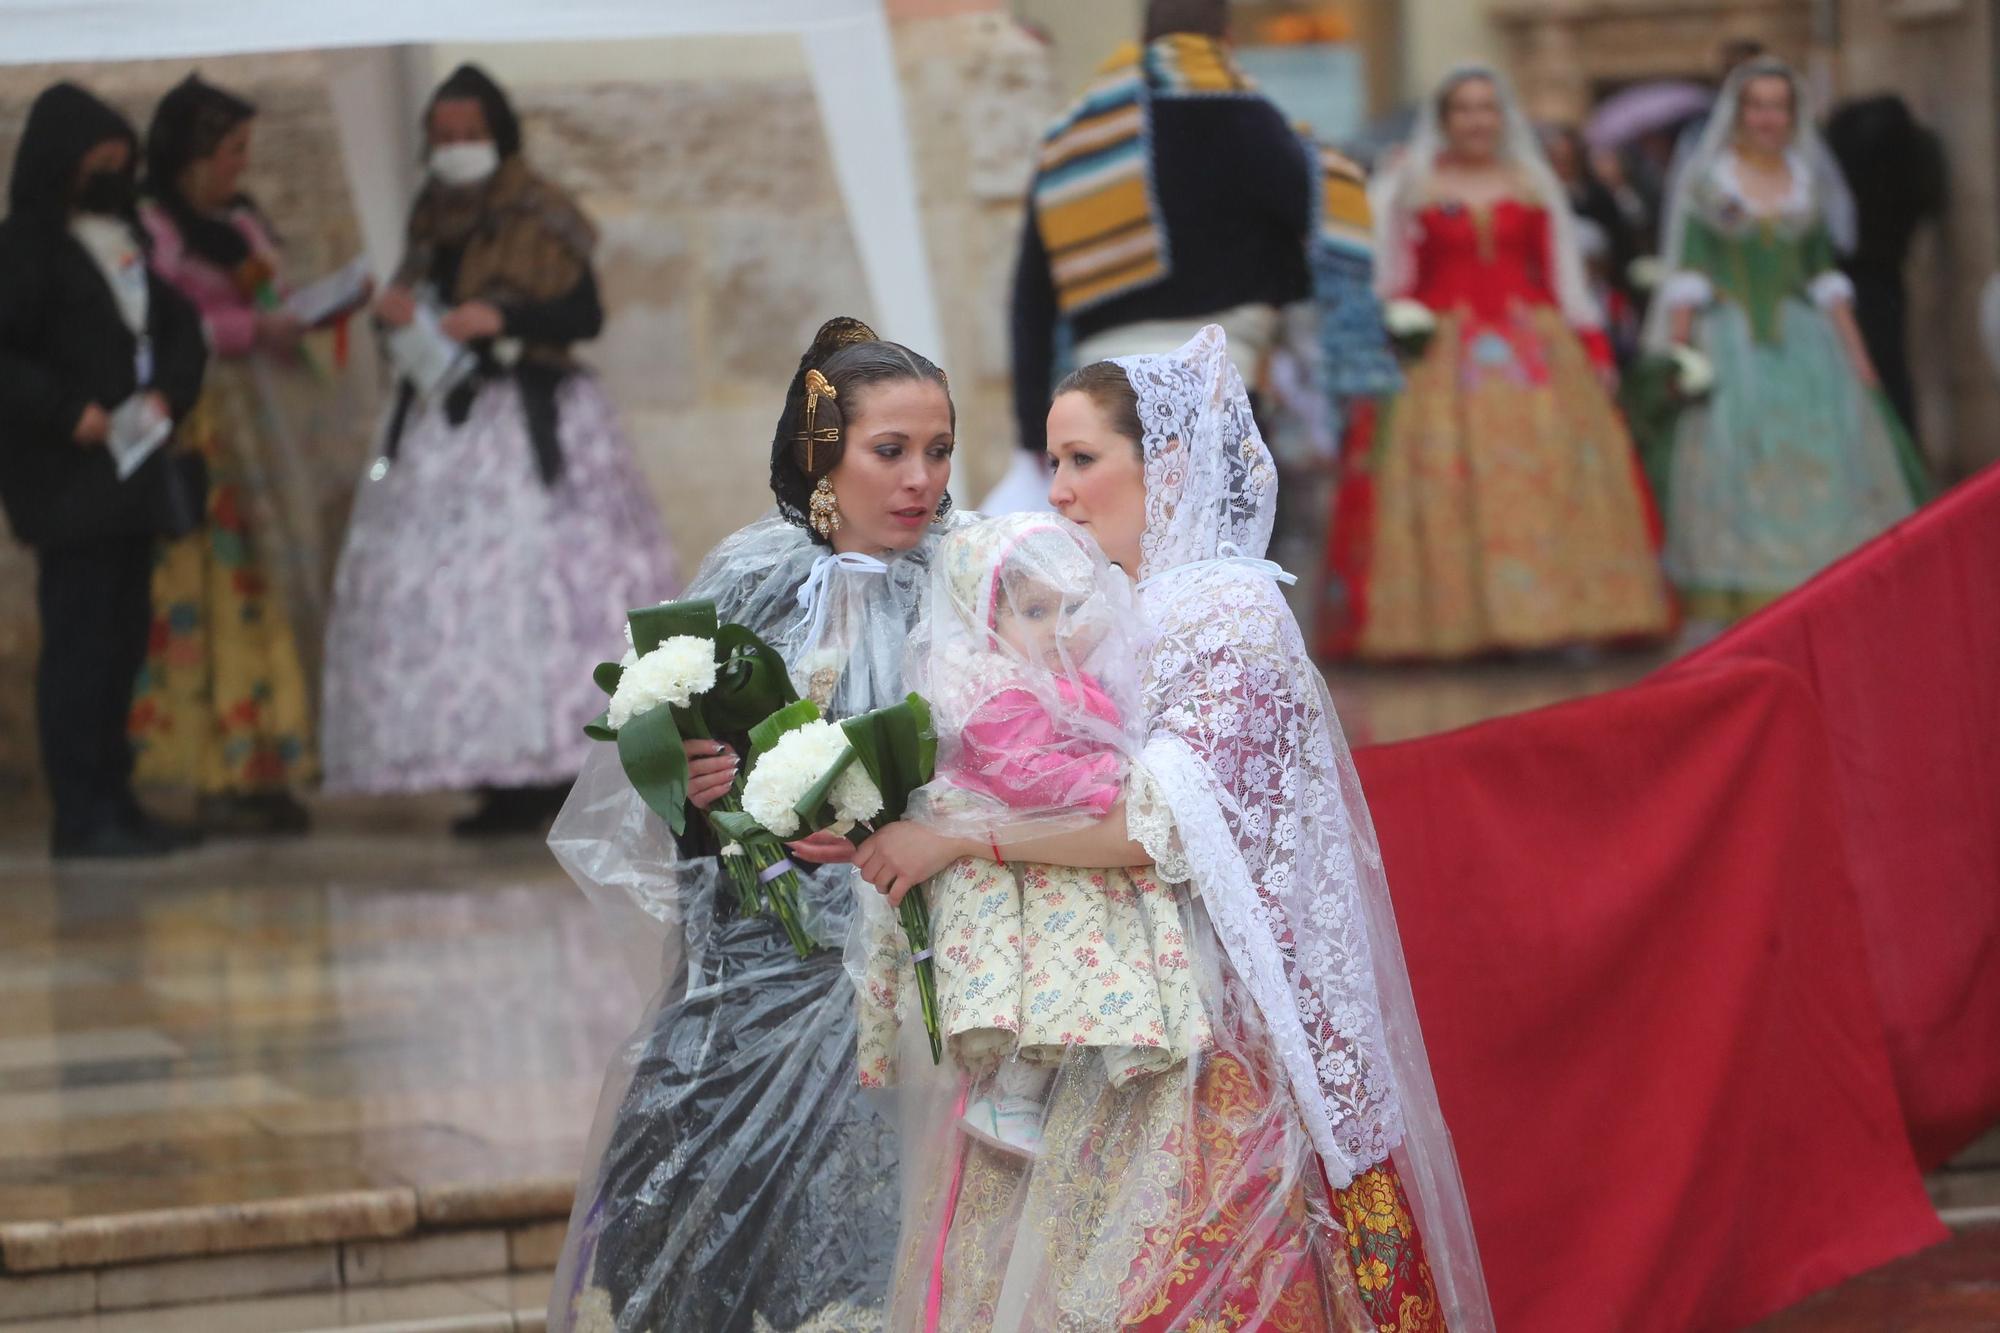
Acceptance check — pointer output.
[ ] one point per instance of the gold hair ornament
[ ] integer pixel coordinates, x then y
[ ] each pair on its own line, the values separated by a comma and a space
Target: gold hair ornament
813, 434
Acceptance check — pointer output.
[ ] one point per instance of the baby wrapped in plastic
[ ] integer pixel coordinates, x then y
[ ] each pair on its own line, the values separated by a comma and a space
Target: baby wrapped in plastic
1030, 659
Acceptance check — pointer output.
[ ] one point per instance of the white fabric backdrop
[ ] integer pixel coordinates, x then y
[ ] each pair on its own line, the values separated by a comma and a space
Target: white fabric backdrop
847, 39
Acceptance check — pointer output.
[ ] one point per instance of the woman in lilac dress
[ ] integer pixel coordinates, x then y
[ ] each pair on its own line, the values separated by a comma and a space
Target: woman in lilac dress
504, 531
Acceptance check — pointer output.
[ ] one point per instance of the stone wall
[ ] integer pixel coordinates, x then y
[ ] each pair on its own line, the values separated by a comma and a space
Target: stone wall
724, 245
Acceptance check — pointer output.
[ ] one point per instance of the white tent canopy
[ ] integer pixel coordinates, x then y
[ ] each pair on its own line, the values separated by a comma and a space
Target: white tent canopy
847, 47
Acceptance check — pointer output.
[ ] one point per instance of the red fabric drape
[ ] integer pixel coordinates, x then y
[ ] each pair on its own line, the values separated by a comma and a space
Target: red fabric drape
1900, 645
1640, 971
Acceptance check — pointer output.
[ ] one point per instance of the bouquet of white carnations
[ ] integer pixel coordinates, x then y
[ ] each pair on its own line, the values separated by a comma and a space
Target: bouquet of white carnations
1410, 325
806, 775
685, 677
1694, 374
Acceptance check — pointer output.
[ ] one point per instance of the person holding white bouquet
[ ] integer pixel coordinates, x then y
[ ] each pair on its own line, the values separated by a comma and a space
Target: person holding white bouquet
1501, 507
736, 1178
1796, 457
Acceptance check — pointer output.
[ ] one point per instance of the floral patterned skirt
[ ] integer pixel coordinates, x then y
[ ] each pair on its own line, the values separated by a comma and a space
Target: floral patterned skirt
1786, 467
221, 704
1501, 506
472, 601
1044, 962
1188, 1202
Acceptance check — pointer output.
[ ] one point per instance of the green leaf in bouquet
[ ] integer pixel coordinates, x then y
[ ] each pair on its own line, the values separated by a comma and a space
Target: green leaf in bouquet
897, 745
766, 733
607, 675
599, 728
811, 806
650, 750
735, 825
751, 682
654, 625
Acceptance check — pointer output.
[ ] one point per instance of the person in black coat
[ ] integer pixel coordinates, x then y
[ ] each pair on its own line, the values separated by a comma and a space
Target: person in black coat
1895, 167
85, 329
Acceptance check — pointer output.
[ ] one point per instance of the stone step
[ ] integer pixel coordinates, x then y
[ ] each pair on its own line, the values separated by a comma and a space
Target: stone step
331, 1243
512, 1305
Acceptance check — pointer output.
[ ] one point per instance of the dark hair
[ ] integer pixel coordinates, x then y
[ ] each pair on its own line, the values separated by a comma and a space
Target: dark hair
1106, 384
189, 124
64, 124
851, 358
1736, 51
1209, 18
469, 83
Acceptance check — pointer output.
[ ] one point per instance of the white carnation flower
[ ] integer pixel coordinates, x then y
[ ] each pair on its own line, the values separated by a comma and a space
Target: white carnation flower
1405, 318
1646, 272
790, 768
1694, 374
673, 673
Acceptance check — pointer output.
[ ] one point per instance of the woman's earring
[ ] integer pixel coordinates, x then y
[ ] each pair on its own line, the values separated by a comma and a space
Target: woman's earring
825, 513
944, 506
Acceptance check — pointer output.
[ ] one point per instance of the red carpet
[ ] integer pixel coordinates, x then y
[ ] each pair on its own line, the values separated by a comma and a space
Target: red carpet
1900, 645
1700, 961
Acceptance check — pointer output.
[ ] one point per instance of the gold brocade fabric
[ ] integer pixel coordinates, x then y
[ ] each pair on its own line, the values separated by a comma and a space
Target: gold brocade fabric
1508, 508
1188, 1202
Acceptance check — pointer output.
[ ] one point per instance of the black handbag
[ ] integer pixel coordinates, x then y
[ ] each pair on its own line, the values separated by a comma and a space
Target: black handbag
178, 500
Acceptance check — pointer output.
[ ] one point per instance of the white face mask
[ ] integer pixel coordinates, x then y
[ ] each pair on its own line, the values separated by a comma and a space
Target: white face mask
463, 164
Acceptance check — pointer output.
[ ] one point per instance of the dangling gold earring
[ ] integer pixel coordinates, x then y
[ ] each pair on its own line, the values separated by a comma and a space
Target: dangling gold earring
825, 513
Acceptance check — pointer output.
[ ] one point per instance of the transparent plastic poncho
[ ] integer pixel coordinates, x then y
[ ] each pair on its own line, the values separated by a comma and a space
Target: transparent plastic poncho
1029, 657
735, 1177
1288, 1167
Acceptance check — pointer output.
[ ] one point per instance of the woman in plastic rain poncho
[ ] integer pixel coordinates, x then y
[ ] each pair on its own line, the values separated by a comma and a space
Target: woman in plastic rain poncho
1293, 1170
735, 1179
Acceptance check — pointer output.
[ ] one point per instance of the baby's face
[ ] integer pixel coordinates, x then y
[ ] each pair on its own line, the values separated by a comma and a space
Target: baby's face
1043, 625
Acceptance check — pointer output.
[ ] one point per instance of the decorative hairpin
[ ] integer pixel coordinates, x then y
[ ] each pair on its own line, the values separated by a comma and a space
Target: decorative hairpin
817, 387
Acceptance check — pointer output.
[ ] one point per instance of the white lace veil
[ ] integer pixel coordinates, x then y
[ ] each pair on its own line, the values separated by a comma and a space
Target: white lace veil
1029, 654
1400, 194
1245, 748
1694, 185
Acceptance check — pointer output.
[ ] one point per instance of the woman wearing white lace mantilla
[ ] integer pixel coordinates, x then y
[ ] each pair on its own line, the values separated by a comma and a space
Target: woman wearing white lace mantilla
736, 1182
1295, 1173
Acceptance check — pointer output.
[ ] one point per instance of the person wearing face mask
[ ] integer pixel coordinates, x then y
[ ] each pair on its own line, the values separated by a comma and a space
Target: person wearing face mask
505, 530
222, 706
1796, 457
98, 359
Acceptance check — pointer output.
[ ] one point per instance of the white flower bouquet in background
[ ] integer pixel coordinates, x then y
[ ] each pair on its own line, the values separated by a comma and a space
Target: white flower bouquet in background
1411, 325
1694, 374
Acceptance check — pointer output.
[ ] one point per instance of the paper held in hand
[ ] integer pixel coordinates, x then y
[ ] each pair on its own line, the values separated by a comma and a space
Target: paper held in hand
426, 356
138, 427
340, 290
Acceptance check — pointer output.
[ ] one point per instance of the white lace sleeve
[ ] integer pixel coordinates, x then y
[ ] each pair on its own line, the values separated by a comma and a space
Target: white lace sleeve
1149, 821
